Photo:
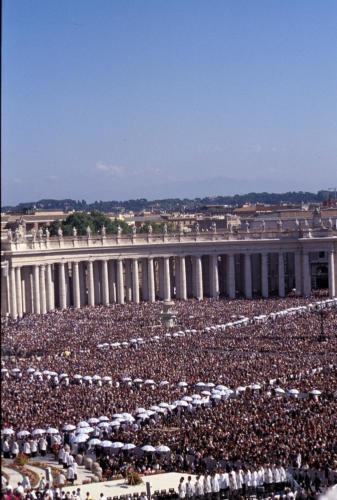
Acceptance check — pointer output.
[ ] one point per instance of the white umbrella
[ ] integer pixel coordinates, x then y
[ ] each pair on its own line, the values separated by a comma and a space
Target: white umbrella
143, 416
210, 384
45, 372
117, 444
126, 379
78, 376
279, 390
52, 430
36, 432
83, 424
103, 419
69, 427
16, 370
7, 432
138, 381
85, 430
63, 375
87, 378
196, 396
94, 442
115, 423
216, 396
294, 391
140, 410
151, 412
164, 405
107, 379
163, 449
197, 402
182, 403
117, 415
4, 370
106, 444
315, 392
93, 420
205, 393
96, 377
182, 384
148, 448
255, 387
155, 408
240, 389
149, 382
23, 434
103, 425
30, 370
221, 387
81, 438
164, 382
187, 398
129, 446
200, 384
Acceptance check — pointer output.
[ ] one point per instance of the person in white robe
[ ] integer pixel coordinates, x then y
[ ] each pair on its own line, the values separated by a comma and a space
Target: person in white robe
207, 484
199, 487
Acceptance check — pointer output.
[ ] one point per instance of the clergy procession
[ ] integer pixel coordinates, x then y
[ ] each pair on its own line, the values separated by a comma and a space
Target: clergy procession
240, 396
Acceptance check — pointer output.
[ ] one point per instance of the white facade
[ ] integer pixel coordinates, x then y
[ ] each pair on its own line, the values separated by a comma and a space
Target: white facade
41, 274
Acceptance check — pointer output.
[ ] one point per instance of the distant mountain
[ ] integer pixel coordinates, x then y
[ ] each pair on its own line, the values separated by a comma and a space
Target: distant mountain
172, 203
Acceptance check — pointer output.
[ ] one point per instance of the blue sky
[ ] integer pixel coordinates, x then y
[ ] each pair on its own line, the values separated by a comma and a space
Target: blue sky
117, 99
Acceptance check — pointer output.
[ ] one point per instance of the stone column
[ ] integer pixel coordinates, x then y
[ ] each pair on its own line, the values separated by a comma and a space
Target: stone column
83, 284
76, 286
135, 281
49, 289
4, 291
18, 291
230, 276
150, 280
128, 280
248, 276
198, 278
91, 285
105, 283
281, 283
332, 283
306, 274
177, 274
12, 293
182, 279
120, 282
214, 276
112, 281
159, 274
43, 301
264, 276
36, 285
62, 286
167, 280
298, 274
28, 289
23, 290
97, 282
145, 287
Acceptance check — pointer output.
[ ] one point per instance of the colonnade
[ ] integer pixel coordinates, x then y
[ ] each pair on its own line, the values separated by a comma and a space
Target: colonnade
39, 288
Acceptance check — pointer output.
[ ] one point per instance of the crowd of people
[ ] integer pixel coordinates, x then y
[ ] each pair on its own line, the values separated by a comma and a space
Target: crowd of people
262, 396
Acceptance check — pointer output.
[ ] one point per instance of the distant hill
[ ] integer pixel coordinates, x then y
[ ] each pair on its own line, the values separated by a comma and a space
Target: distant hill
187, 205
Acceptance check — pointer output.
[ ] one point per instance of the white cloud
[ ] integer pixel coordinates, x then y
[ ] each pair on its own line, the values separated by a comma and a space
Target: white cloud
113, 170
122, 171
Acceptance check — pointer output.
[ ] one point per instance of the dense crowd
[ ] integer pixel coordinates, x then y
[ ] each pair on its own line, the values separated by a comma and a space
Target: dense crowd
262, 396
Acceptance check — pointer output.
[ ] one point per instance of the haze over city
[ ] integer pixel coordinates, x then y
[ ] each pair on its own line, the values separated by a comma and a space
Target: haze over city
117, 100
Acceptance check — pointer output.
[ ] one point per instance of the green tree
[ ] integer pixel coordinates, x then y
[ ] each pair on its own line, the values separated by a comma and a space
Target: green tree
81, 220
